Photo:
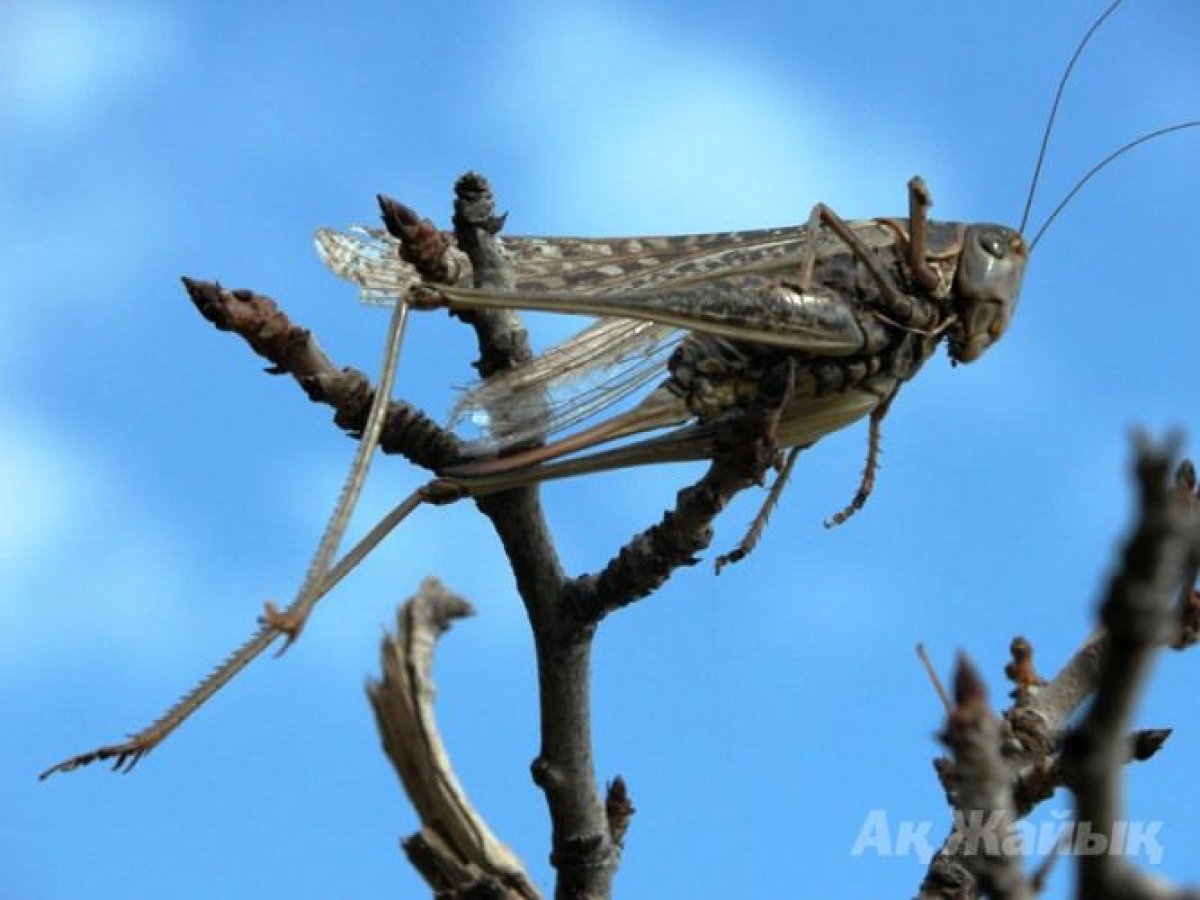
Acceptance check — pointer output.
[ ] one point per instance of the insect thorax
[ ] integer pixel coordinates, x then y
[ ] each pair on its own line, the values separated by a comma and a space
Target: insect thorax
719, 377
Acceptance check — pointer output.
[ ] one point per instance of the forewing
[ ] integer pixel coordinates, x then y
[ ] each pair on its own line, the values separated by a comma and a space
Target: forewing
370, 259
619, 265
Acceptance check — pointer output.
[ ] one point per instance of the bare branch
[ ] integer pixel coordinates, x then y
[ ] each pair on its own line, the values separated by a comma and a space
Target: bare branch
502, 338
584, 852
983, 846
454, 850
1034, 729
292, 350
1137, 614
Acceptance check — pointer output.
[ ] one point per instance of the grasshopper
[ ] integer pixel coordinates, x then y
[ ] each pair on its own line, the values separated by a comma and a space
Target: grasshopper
841, 313
851, 309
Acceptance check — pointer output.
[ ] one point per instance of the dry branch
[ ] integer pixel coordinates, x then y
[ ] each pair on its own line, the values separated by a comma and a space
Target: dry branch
1139, 616
454, 851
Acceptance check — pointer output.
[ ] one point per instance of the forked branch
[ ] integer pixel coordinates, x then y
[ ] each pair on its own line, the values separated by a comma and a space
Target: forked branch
1034, 749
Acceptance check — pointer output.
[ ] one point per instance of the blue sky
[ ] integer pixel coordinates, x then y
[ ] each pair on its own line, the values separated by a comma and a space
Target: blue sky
155, 487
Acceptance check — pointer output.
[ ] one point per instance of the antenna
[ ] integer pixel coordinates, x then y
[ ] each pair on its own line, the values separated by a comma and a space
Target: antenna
1062, 84
1095, 170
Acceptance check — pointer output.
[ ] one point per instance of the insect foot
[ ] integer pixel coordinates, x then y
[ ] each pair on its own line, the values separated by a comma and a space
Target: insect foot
286, 622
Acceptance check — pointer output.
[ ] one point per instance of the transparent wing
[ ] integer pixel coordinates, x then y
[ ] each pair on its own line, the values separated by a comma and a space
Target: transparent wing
370, 259
614, 357
563, 386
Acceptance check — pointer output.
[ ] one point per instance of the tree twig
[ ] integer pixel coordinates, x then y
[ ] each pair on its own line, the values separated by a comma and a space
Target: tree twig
984, 842
454, 850
1137, 616
292, 350
1033, 730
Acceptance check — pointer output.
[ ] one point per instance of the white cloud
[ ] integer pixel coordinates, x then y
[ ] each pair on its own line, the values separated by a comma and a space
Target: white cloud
58, 61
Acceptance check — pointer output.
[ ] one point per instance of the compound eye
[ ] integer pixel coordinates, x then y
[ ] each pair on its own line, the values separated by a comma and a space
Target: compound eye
992, 243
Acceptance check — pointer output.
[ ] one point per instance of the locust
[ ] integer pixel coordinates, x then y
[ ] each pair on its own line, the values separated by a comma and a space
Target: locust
839, 315
850, 309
